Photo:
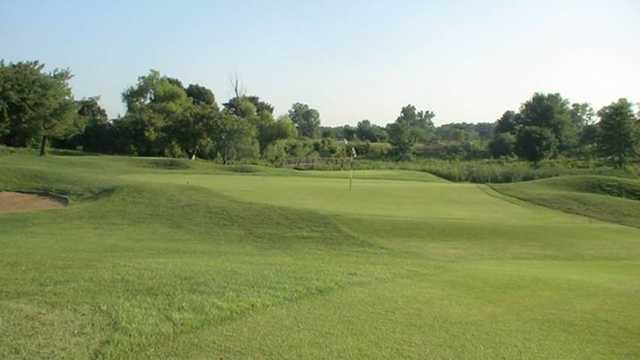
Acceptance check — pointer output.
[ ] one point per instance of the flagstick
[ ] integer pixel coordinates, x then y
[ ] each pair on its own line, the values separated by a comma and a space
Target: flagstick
353, 155
350, 172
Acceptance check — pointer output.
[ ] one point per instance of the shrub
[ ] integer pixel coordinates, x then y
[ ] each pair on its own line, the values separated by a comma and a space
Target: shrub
535, 143
502, 145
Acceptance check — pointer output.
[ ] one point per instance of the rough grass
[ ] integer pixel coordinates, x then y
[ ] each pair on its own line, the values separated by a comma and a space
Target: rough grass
490, 170
600, 197
201, 262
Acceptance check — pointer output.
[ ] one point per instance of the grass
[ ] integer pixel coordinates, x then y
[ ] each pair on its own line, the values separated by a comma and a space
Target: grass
191, 260
490, 170
600, 197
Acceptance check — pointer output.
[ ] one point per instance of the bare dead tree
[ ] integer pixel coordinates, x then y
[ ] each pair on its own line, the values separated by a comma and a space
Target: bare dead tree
238, 89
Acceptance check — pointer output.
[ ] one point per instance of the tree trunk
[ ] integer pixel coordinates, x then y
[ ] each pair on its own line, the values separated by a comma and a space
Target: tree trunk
43, 146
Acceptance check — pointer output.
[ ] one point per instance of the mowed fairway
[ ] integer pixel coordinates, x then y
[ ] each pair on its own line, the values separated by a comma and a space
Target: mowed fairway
194, 261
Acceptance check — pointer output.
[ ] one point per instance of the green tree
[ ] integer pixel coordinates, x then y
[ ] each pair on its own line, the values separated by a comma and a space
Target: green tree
35, 104
21, 99
365, 130
581, 115
306, 119
276, 152
59, 112
349, 132
508, 123
234, 138
588, 139
201, 95
272, 131
153, 104
239, 106
401, 139
552, 112
502, 144
92, 127
193, 129
535, 143
618, 135
409, 128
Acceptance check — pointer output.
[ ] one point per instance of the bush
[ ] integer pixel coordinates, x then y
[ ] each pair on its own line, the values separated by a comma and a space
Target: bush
452, 150
483, 171
535, 143
502, 145
276, 153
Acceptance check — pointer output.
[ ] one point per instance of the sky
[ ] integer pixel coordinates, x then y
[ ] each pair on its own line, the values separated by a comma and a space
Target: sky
468, 61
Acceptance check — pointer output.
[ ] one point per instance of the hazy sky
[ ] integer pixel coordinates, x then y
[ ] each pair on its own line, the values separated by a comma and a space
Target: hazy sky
352, 60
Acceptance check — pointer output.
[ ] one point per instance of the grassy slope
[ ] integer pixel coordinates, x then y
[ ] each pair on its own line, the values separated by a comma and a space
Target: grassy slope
600, 197
201, 262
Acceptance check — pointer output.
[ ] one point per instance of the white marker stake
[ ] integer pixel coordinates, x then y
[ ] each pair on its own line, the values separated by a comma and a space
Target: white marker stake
353, 155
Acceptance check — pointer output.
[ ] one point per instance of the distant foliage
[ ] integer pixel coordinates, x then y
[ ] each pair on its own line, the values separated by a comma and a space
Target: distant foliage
35, 106
503, 144
306, 119
618, 138
165, 117
535, 143
411, 127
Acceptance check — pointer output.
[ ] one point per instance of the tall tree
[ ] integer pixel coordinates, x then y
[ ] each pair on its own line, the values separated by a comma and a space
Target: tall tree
552, 112
35, 104
193, 129
365, 130
234, 137
508, 123
92, 127
535, 143
270, 131
306, 119
618, 136
582, 114
237, 105
153, 104
57, 118
503, 144
201, 95
409, 128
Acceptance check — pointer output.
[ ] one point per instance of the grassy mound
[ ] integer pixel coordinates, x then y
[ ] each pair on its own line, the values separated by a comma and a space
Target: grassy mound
612, 186
605, 198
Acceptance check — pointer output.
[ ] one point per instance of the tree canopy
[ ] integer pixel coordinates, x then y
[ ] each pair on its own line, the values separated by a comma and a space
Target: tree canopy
618, 137
306, 119
535, 143
35, 105
409, 128
166, 118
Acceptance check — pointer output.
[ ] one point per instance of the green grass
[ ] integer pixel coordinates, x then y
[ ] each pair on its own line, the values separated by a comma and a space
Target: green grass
182, 259
489, 170
601, 197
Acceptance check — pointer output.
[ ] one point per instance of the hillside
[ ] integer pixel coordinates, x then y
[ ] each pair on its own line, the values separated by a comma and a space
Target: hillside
605, 198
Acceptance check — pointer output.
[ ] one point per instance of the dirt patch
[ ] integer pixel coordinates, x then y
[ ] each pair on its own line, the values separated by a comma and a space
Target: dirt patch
13, 201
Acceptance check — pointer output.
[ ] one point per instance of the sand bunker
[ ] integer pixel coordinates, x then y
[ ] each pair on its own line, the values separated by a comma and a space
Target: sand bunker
13, 201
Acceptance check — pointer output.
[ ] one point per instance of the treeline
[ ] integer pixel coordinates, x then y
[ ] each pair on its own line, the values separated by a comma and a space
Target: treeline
163, 118
166, 118
548, 125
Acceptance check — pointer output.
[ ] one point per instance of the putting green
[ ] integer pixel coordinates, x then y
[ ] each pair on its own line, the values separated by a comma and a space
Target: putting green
410, 200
